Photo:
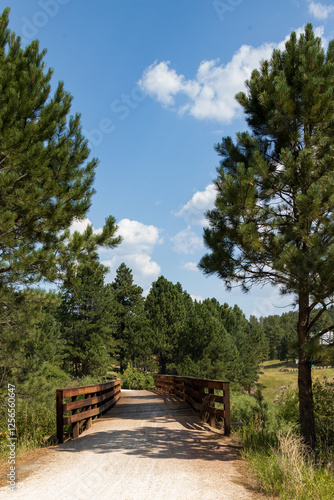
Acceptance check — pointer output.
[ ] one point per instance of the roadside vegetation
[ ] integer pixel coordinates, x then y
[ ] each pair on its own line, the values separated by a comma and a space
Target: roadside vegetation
270, 434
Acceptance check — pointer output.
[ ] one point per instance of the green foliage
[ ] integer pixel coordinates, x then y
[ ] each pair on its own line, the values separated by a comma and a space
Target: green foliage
44, 180
87, 320
324, 418
323, 395
133, 378
132, 331
276, 453
35, 414
273, 217
166, 309
243, 407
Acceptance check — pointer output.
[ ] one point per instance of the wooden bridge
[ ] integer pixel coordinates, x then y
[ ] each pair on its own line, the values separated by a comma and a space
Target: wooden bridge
92, 401
151, 445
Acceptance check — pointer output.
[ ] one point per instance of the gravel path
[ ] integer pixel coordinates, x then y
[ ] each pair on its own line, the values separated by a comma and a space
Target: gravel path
149, 447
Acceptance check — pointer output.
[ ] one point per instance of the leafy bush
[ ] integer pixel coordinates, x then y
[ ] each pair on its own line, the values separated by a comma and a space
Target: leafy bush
242, 407
133, 378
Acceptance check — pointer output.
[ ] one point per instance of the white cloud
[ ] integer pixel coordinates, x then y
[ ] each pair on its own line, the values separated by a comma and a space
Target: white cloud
190, 266
138, 236
319, 10
80, 225
165, 83
211, 94
198, 298
139, 241
193, 211
186, 241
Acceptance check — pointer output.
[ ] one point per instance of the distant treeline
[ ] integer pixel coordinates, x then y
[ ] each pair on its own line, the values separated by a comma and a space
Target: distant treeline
90, 328
280, 332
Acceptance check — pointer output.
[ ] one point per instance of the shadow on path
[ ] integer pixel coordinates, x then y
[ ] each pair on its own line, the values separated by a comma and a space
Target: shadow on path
156, 442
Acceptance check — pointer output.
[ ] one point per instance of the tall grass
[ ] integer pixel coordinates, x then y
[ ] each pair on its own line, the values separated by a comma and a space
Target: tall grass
285, 468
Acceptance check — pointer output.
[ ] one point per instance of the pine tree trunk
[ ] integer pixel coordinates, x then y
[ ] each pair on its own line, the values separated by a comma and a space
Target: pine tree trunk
162, 363
306, 405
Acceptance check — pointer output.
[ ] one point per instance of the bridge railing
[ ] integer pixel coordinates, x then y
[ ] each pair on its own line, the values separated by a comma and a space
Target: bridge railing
97, 399
200, 394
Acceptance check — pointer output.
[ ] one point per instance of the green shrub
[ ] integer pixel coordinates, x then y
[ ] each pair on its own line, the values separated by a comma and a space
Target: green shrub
133, 378
242, 407
324, 419
35, 409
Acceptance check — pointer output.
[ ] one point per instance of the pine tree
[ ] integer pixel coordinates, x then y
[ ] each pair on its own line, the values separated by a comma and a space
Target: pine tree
45, 181
273, 221
87, 319
166, 306
131, 329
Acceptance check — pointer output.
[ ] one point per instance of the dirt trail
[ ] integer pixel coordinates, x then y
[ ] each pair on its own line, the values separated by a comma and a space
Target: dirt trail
149, 447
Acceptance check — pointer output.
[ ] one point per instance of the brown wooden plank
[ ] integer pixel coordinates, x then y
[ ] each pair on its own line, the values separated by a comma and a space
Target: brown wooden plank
87, 389
212, 410
76, 426
193, 403
87, 414
192, 392
214, 398
89, 401
212, 403
203, 382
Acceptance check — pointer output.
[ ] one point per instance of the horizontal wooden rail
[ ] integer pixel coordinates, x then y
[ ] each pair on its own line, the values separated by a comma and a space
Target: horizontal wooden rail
199, 393
97, 399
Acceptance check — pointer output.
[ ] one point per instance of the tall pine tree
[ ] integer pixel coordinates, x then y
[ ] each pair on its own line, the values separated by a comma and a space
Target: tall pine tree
166, 307
87, 319
45, 180
273, 221
130, 331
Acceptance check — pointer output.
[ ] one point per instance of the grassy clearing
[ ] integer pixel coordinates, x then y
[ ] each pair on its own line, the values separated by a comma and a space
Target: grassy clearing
275, 380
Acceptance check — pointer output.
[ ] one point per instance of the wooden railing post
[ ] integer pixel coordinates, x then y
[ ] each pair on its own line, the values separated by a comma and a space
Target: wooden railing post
227, 419
212, 415
59, 409
76, 425
87, 408
94, 406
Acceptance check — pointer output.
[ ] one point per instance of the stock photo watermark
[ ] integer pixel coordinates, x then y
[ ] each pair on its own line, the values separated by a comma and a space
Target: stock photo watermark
48, 9
11, 430
120, 109
224, 7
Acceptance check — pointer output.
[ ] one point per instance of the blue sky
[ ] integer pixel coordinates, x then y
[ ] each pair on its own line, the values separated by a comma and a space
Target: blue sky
154, 81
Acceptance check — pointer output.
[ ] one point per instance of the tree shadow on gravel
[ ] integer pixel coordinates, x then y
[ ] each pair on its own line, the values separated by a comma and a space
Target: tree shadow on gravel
189, 443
